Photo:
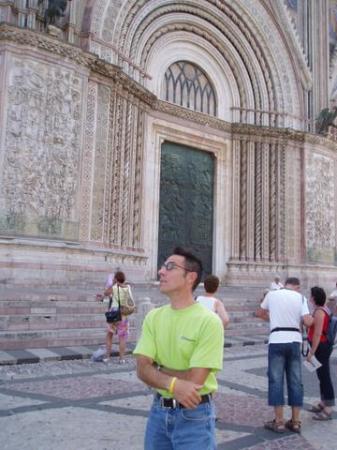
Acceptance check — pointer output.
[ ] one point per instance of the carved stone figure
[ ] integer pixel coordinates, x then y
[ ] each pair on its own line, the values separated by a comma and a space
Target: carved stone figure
55, 10
325, 120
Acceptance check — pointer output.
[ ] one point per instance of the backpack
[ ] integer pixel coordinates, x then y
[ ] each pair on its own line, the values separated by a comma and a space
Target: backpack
332, 329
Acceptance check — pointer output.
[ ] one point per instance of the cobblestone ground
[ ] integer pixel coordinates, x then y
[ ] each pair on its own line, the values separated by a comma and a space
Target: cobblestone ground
71, 405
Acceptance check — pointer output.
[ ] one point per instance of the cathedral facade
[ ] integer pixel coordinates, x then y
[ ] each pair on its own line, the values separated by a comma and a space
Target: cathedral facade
130, 126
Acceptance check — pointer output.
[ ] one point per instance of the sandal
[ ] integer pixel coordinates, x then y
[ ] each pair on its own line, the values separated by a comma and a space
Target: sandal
322, 416
277, 427
316, 409
293, 425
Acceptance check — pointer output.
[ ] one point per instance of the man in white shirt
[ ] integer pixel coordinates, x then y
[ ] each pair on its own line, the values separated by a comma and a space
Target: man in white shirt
286, 309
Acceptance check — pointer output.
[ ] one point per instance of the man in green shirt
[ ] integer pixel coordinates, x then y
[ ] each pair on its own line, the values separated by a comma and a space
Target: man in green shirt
178, 354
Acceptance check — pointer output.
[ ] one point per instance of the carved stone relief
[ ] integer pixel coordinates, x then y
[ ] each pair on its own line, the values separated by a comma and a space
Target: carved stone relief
293, 201
42, 142
87, 161
320, 214
100, 161
112, 168
137, 200
126, 165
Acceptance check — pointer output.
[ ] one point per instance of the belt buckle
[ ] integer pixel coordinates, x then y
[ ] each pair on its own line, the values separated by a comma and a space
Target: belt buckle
162, 403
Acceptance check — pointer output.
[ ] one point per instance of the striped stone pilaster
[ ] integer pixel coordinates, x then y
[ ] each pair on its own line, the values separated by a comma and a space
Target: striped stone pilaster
250, 208
236, 200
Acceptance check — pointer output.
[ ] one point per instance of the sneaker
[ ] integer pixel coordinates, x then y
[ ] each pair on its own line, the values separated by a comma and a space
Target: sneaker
122, 361
105, 360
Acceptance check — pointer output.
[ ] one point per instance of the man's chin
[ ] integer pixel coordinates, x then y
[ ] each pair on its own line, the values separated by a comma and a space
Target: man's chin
163, 288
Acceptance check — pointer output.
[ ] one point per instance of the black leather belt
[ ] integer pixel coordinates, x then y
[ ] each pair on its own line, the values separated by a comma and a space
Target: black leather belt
285, 329
173, 403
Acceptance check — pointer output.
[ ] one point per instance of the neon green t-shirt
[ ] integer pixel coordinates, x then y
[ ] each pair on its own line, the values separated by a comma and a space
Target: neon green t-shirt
182, 339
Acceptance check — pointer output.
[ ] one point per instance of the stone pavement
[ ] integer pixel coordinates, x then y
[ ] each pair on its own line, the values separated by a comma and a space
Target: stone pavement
81, 405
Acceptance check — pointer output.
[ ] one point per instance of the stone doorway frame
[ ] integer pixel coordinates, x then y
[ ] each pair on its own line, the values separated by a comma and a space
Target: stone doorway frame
160, 129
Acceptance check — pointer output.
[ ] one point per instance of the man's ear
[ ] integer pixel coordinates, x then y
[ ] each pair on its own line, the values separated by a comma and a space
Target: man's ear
192, 277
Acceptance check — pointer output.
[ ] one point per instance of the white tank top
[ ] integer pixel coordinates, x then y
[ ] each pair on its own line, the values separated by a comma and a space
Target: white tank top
207, 302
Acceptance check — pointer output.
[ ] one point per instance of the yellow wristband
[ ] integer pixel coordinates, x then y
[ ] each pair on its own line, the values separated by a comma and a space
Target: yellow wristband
172, 384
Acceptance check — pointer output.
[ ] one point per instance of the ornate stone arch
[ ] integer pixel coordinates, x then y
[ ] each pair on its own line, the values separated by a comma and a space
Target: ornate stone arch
209, 28
248, 28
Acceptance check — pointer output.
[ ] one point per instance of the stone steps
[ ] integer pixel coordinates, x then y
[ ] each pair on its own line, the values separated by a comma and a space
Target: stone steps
55, 307
62, 321
31, 295
51, 318
250, 333
11, 307
12, 340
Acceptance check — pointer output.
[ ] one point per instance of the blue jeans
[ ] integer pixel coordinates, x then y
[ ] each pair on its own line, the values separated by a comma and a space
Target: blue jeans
285, 359
180, 428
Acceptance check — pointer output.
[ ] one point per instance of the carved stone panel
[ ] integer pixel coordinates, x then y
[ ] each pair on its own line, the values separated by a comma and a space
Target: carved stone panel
320, 203
125, 173
112, 168
40, 167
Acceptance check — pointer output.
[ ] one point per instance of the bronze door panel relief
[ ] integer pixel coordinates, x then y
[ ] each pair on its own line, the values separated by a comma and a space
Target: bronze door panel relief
186, 202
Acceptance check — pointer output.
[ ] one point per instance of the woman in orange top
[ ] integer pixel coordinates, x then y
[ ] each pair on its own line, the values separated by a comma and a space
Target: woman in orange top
320, 347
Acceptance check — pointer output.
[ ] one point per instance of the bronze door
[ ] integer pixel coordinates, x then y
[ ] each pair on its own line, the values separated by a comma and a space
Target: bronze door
186, 202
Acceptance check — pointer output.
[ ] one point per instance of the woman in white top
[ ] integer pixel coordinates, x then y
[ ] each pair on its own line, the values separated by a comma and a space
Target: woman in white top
211, 284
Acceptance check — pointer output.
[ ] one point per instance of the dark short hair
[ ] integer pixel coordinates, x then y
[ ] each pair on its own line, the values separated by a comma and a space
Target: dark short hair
193, 264
319, 295
211, 283
120, 277
293, 281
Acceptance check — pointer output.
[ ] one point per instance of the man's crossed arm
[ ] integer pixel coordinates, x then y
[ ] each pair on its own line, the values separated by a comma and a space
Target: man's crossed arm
186, 388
